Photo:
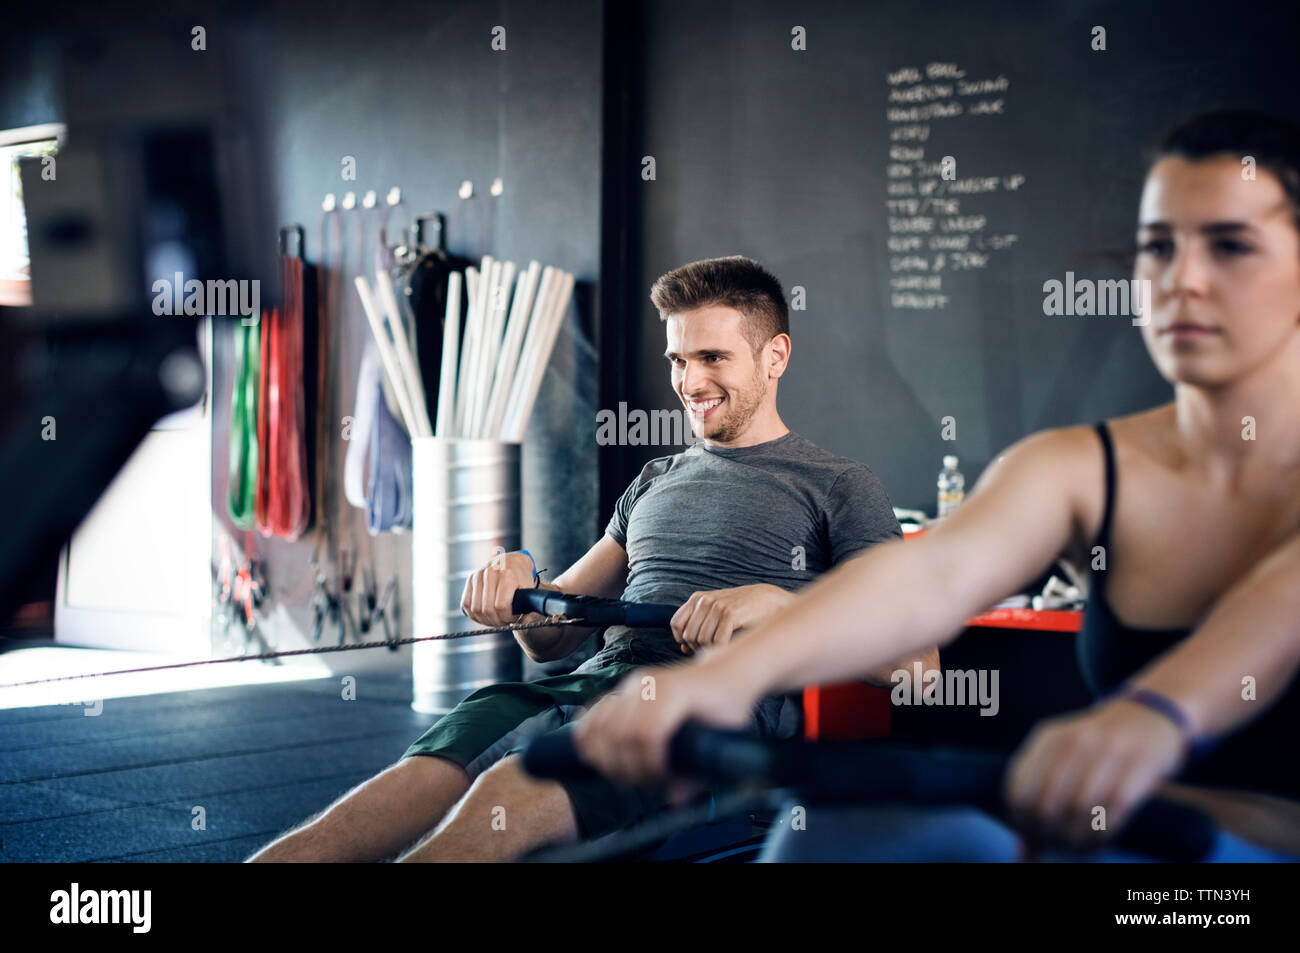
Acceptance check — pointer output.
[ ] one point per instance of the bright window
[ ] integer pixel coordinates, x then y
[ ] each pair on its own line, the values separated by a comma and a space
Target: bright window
15, 266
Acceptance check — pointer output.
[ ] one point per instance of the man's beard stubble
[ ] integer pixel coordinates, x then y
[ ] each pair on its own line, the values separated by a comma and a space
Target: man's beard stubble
742, 408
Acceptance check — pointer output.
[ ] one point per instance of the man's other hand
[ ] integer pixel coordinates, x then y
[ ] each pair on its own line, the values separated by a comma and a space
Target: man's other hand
714, 618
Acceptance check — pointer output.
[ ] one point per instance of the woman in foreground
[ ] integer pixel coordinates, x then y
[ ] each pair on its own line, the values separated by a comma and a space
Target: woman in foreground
1188, 514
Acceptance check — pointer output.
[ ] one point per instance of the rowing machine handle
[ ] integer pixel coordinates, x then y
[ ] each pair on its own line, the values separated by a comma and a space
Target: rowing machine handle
873, 773
1169, 831
593, 610
880, 772
876, 772
695, 751
554, 756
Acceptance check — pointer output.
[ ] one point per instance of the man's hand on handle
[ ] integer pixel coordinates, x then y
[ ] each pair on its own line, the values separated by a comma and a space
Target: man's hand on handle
489, 591
713, 618
625, 735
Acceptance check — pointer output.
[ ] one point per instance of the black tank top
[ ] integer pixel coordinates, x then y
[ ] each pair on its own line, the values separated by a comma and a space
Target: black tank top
1261, 756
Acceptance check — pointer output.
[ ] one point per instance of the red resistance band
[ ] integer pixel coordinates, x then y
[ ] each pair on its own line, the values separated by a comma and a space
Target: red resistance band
283, 506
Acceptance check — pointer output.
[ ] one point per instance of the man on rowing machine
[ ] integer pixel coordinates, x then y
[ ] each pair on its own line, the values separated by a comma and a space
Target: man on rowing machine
729, 529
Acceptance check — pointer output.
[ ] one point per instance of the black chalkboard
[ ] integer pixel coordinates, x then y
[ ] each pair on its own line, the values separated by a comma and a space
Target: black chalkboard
785, 156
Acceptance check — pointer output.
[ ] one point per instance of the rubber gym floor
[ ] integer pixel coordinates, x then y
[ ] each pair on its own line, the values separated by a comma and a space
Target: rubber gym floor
125, 785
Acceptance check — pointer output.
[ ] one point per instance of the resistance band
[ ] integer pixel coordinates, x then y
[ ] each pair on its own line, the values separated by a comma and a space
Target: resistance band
390, 494
283, 499
243, 463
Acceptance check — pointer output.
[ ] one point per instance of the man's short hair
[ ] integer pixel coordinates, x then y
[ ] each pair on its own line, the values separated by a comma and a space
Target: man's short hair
734, 282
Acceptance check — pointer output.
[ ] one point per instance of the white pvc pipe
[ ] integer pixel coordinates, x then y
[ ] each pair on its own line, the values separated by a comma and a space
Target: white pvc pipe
496, 335
528, 351
450, 346
511, 287
471, 289
387, 356
511, 346
555, 319
405, 360
467, 380
472, 284
490, 344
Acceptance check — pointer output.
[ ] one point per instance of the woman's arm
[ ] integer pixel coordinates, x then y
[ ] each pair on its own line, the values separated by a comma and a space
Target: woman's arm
897, 599
1079, 777
1252, 632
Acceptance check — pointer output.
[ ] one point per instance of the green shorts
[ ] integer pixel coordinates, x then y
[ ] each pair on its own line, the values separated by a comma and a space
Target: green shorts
501, 719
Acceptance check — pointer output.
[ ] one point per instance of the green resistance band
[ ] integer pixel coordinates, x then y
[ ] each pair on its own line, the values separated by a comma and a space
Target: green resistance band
243, 423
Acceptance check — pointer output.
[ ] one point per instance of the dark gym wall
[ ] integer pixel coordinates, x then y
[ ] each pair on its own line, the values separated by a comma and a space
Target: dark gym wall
415, 93
783, 156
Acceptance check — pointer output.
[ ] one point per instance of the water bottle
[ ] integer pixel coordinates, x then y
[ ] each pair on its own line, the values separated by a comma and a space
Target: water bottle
952, 487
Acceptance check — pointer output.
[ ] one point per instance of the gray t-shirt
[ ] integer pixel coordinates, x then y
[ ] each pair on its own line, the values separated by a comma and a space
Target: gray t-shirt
780, 512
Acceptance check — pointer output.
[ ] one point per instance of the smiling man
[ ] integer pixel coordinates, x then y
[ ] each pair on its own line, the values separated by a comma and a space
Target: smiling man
728, 529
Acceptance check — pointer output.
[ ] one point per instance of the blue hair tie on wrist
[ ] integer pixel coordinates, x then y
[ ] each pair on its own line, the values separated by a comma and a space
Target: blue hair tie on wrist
1192, 747
536, 575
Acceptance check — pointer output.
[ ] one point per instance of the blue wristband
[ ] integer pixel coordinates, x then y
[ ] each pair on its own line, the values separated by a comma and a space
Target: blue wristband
536, 576
1162, 705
